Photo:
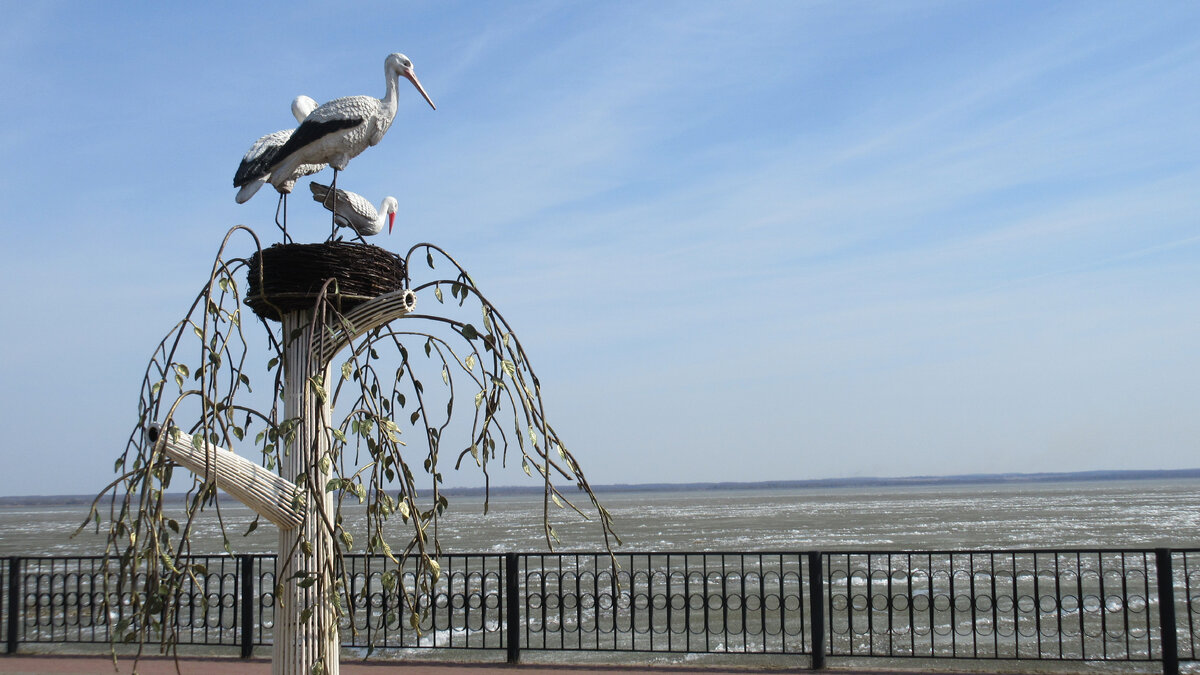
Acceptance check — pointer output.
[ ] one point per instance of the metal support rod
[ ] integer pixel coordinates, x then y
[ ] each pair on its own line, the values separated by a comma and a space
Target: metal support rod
816, 609
512, 608
14, 603
1166, 611
246, 620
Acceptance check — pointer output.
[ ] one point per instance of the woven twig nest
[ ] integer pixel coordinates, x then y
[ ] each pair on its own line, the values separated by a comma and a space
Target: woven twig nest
292, 276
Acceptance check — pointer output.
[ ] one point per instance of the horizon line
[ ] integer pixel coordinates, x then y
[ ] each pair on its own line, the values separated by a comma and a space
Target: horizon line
805, 483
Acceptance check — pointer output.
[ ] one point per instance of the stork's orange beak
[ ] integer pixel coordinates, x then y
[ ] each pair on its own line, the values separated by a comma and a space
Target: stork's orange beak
412, 77
391, 221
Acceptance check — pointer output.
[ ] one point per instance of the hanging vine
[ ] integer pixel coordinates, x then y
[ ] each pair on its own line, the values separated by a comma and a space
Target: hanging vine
198, 385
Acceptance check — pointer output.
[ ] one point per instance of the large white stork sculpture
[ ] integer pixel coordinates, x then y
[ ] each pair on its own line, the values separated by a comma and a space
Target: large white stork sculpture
341, 129
352, 210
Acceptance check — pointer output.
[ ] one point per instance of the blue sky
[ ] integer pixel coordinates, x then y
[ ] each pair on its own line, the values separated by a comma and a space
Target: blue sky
741, 241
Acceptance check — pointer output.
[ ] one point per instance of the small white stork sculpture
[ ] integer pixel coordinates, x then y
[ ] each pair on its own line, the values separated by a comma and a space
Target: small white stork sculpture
352, 210
341, 129
255, 168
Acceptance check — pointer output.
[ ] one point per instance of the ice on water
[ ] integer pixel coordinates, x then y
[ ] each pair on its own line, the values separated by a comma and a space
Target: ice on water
1070, 514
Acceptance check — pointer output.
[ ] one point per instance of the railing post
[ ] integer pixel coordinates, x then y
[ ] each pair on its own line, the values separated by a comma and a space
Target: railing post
1166, 611
512, 608
14, 603
246, 620
816, 609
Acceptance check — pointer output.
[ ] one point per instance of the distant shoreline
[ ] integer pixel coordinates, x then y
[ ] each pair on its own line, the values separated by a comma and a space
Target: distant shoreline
813, 483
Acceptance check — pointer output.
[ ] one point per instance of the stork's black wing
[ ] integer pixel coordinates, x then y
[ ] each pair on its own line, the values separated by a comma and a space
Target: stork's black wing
309, 132
255, 164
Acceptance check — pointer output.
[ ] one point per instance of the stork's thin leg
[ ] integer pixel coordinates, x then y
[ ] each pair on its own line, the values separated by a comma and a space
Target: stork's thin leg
281, 207
333, 209
327, 202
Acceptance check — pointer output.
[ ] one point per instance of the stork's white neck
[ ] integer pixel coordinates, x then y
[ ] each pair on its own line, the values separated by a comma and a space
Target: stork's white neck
390, 98
382, 216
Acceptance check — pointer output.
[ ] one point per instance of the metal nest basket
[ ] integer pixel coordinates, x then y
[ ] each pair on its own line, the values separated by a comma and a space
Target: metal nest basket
288, 277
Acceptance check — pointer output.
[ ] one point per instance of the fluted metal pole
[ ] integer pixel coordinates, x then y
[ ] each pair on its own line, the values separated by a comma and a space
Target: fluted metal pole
305, 621
306, 630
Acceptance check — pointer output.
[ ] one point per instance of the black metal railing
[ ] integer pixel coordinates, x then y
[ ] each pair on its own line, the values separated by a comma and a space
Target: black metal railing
1043, 605
664, 602
464, 611
1029, 605
1187, 602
